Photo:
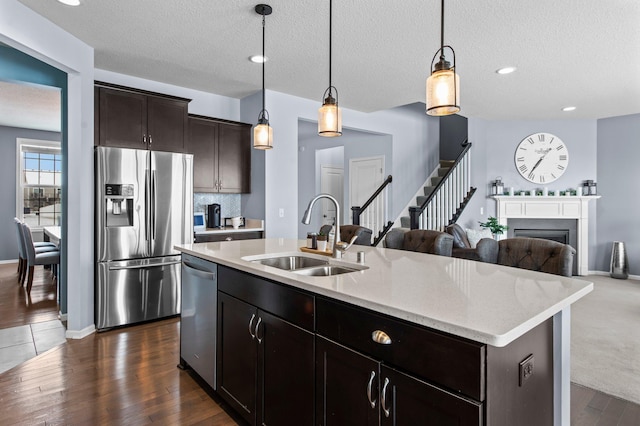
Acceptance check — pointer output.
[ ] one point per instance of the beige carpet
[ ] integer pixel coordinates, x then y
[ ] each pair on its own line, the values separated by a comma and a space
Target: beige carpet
605, 338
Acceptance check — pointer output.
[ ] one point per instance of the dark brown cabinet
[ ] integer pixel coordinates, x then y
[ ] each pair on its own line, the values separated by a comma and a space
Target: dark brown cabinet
265, 364
287, 356
127, 118
354, 389
221, 155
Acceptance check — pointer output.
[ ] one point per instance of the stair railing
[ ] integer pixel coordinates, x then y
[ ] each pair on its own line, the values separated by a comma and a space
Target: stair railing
374, 212
445, 203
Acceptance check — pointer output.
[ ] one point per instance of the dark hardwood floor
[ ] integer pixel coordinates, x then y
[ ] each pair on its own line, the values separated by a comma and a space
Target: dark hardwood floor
16, 307
128, 376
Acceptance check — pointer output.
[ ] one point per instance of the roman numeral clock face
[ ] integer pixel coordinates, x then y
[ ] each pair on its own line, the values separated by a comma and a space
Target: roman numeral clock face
541, 158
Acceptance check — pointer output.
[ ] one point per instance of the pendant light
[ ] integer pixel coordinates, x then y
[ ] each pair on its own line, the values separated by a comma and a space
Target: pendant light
330, 114
262, 132
443, 85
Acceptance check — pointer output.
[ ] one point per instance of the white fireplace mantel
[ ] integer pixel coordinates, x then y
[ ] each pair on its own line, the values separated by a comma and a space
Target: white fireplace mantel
551, 207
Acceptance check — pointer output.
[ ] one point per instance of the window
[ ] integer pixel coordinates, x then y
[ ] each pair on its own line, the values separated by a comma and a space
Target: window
39, 183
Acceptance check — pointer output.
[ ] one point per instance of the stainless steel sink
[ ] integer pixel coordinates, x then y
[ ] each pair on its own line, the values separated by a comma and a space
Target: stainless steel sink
291, 263
325, 271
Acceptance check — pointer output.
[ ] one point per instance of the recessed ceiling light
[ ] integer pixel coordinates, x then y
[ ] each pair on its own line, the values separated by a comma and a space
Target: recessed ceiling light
70, 2
258, 59
569, 108
506, 70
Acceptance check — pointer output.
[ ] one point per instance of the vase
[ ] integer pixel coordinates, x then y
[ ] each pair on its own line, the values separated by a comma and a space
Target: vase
619, 263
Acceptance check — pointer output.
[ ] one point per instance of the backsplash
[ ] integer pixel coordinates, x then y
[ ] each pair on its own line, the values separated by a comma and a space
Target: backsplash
230, 204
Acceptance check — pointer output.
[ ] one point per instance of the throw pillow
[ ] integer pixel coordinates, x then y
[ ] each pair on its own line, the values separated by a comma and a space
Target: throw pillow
475, 235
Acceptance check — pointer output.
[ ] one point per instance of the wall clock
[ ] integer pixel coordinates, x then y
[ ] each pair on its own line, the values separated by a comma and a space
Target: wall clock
541, 158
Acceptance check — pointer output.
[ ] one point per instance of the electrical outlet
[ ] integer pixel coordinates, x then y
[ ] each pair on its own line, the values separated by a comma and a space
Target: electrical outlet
481, 210
526, 369
281, 212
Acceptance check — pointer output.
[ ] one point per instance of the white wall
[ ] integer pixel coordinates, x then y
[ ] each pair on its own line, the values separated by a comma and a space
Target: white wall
52, 45
619, 185
414, 153
494, 144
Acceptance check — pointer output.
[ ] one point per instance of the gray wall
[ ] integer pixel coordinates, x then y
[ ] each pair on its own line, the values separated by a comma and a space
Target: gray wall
494, 144
356, 144
618, 183
453, 131
8, 176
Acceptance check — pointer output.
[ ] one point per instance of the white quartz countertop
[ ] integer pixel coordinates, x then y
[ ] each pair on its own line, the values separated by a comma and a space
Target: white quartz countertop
251, 225
486, 303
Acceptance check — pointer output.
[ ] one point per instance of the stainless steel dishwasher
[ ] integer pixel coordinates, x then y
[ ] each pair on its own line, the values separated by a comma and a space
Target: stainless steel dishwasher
198, 317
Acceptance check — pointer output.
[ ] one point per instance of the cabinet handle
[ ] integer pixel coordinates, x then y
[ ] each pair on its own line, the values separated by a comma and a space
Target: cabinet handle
228, 239
256, 332
369, 390
383, 402
219, 185
150, 140
253, 336
381, 337
144, 139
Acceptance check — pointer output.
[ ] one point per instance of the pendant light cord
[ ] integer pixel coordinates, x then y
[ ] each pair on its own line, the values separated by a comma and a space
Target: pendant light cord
264, 59
442, 31
330, 9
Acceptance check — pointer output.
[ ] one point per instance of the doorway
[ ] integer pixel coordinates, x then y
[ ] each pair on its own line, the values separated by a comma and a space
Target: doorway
332, 183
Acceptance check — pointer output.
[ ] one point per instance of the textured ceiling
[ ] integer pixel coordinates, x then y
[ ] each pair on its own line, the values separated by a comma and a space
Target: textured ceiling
584, 53
30, 106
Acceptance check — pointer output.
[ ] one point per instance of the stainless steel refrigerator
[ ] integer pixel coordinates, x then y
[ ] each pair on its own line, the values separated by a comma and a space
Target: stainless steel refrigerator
144, 206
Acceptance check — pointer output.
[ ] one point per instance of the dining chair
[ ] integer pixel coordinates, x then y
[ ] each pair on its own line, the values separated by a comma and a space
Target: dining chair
38, 258
40, 247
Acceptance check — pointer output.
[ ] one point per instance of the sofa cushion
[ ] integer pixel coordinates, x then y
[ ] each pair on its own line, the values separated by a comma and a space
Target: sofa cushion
459, 235
475, 235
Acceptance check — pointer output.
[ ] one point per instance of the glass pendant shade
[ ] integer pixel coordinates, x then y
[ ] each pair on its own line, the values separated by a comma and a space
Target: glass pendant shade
262, 136
329, 119
443, 92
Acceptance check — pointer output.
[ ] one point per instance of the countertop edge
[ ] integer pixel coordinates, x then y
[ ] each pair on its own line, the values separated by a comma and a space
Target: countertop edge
497, 340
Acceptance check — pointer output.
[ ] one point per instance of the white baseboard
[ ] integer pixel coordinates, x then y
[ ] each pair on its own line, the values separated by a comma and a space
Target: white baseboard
81, 334
61, 316
2, 262
604, 273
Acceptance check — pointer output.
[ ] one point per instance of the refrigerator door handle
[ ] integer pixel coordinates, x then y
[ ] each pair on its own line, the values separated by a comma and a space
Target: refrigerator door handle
145, 266
153, 204
147, 202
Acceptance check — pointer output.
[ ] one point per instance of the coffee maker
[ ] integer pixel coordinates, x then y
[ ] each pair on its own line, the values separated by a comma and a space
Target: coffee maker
213, 216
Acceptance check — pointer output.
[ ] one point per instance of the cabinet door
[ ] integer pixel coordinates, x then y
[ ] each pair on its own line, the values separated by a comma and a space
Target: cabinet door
285, 373
202, 144
234, 158
407, 401
122, 119
346, 386
237, 355
167, 124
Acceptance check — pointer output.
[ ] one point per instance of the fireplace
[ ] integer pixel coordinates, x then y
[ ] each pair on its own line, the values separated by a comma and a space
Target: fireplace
554, 214
559, 235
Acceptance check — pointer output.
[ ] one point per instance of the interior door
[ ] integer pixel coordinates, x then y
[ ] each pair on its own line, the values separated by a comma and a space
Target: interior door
365, 176
331, 182
171, 188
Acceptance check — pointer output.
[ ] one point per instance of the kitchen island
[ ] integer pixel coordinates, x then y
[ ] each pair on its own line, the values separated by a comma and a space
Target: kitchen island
496, 338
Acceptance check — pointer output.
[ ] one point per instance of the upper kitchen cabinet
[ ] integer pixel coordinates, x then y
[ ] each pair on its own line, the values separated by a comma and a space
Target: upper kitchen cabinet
130, 118
221, 155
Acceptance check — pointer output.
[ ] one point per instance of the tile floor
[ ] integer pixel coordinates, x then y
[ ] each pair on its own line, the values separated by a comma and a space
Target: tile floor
18, 344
